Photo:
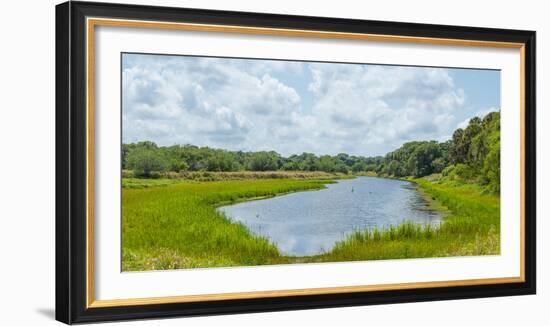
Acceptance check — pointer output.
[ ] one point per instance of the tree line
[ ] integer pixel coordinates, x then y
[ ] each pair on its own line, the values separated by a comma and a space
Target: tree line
146, 157
473, 154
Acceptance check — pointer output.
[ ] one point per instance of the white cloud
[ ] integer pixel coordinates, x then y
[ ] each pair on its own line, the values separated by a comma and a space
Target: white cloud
380, 107
249, 105
201, 101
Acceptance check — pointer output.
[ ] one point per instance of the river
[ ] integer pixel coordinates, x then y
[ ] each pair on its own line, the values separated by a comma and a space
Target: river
311, 222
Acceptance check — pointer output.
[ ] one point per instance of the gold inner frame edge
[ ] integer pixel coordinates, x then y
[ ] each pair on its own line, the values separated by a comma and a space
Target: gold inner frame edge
91, 22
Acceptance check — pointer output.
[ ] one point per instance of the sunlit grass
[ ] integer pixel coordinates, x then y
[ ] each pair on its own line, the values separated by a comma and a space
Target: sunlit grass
174, 224
177, 225
470, 227
174, 177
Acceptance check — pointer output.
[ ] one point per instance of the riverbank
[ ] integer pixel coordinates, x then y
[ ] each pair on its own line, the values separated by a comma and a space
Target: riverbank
471, 227
129, 181
176, 226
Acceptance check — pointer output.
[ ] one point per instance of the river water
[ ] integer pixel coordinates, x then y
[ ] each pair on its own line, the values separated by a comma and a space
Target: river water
311, 222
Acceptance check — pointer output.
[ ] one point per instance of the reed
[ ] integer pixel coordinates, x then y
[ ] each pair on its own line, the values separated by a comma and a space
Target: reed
177, 225
471, 227
172, 224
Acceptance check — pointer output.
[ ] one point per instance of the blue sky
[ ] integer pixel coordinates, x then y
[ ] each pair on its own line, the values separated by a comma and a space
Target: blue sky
294, 107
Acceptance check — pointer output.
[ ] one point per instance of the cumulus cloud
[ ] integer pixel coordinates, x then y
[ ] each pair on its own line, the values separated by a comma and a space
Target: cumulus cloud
201, 101
250, 104
380, 107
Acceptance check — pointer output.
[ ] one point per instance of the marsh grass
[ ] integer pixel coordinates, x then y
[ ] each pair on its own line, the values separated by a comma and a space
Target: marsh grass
174, 224
471, 226
177, 225
175, 177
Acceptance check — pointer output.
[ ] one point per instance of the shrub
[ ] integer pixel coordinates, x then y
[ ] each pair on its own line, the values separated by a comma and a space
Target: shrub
155, 175
464, 171
127, 173
144, 161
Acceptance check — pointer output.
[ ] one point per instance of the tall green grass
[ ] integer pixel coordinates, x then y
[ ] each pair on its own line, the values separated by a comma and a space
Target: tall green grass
170, 225
470, 227
165, 177
177, 225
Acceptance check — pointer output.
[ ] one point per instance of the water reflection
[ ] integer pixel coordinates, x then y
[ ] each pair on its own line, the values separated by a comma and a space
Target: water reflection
311, 222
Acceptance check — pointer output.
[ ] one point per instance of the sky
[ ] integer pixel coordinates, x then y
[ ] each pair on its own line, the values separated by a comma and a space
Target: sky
294, 107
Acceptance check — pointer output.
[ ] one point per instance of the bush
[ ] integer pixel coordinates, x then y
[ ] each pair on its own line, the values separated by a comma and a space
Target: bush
491, 169
144, 161
155, 175
172, 175
448, 171
127, 173
459, 171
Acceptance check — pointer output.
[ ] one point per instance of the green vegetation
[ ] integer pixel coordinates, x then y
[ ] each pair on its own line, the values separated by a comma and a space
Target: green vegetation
172, 226
147, 160
177, 226
129, 179
471, 156
170, 194
471, 227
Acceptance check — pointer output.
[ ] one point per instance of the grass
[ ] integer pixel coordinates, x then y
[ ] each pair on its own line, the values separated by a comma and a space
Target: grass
170, 178
172, 224
177, 225
237, 175
135, 183
471, 227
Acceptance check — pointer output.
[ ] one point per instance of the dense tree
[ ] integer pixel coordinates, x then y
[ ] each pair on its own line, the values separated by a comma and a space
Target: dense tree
359, 167
485, 152
394, 168
478, 159
263, 161
473, 154
292, 163
420, 161
459, 150
438, 165
222, 161
143, 161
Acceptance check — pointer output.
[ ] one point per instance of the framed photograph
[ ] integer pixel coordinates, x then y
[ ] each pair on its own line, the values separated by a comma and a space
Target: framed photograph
212, 162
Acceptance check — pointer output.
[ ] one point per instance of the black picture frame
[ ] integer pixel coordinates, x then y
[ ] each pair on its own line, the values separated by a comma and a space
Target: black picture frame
71, 157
